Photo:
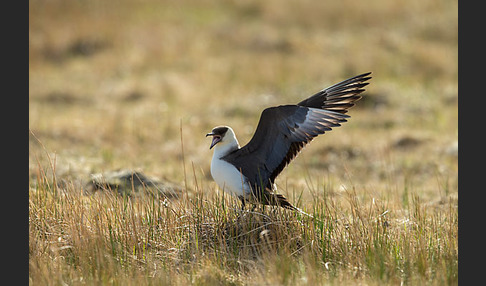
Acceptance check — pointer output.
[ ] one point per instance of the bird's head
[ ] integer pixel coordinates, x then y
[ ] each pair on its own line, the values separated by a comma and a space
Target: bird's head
223, 135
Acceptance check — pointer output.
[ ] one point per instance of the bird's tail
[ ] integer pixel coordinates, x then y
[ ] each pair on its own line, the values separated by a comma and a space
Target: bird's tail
282, 201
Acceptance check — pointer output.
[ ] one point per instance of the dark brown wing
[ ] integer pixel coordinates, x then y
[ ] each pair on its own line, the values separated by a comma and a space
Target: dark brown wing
281, 133
284, 130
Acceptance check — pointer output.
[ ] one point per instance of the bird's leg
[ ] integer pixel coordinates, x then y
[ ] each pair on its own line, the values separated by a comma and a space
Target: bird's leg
242, 202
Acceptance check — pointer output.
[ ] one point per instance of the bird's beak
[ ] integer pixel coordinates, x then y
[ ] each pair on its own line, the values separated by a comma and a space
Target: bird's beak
216, 139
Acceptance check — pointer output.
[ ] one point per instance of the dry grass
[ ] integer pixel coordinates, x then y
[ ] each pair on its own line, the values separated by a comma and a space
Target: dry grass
203, 239
115, 84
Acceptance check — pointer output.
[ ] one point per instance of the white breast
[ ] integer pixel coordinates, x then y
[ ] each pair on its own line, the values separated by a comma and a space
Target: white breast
229, 178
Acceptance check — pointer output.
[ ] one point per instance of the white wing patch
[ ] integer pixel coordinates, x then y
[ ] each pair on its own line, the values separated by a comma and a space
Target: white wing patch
316, 122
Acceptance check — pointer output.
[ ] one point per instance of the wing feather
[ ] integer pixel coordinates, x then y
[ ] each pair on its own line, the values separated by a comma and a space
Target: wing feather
338, 97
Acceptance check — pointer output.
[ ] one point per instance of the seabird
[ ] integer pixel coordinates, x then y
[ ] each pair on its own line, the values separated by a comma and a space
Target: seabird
249, 172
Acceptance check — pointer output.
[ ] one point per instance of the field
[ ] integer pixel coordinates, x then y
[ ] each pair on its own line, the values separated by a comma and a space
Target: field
137, 84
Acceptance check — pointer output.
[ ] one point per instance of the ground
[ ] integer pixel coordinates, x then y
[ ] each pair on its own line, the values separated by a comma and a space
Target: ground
137, 85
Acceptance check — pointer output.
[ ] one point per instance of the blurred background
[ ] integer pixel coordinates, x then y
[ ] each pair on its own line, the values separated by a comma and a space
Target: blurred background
117, 84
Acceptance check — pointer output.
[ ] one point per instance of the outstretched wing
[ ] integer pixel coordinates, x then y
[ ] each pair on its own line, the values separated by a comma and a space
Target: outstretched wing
284, 130
339, 97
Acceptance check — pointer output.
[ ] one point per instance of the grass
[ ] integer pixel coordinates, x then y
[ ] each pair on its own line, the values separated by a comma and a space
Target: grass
203, 239
137, 85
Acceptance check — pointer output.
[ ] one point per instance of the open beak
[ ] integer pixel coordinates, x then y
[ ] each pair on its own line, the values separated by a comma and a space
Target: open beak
216, 139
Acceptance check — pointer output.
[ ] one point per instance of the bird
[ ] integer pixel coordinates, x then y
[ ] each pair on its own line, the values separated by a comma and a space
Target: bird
249, 172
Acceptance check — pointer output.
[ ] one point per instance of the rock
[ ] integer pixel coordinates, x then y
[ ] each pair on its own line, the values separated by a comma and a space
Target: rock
129, 181
407, 142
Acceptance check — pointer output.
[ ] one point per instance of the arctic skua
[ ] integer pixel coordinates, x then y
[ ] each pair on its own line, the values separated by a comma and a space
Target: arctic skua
249, 172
